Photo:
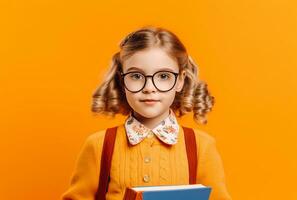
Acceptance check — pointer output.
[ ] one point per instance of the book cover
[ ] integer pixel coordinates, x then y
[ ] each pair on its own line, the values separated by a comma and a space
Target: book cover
170, 192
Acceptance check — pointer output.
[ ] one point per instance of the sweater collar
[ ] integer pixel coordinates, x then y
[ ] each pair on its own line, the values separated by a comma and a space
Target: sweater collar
167, 130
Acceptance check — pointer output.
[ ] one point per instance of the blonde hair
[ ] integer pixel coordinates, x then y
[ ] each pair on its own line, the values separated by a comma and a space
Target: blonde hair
109, 98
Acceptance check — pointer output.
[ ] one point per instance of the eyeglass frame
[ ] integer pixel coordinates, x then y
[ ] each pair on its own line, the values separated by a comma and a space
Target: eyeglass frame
146, 77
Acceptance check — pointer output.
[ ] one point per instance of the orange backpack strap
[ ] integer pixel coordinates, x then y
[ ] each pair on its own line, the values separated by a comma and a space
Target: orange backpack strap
191, 153
106, 157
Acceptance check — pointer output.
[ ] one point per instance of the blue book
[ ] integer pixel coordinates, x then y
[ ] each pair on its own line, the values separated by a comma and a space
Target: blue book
168, 192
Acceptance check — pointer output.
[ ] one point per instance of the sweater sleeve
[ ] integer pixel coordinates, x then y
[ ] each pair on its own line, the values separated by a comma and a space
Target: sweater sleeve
210, 168
85, 176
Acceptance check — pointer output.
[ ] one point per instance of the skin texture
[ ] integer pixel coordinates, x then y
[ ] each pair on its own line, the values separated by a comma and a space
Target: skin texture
150, 61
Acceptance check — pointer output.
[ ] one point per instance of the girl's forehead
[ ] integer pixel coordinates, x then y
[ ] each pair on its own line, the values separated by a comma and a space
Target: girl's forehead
150, 61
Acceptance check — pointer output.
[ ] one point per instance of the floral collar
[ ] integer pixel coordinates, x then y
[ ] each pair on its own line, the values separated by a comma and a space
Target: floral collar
167, 130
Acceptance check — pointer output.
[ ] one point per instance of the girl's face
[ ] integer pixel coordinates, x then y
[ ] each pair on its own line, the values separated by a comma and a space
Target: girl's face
148, 62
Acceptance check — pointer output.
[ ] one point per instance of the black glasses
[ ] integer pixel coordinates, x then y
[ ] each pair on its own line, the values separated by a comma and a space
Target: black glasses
163, 80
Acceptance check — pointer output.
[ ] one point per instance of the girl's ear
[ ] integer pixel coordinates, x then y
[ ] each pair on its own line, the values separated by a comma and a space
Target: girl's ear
181, 81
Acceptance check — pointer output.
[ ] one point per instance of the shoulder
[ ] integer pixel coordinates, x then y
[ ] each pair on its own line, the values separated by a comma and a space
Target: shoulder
94, 141
93, 144
96, 136
202, 136
203, 139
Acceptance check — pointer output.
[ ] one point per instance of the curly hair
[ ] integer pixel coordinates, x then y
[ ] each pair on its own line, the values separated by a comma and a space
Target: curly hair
110, 99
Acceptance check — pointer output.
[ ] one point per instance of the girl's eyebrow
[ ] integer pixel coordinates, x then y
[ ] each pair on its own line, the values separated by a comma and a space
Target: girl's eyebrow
164, 68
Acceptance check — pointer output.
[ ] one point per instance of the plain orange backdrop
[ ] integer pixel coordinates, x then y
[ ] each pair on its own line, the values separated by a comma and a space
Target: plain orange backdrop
53, 54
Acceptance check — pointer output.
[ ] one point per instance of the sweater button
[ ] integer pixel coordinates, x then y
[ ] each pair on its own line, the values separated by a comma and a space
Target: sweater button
146, 178
147, 159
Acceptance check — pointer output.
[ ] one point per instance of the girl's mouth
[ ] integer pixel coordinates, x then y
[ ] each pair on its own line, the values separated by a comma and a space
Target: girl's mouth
149, 101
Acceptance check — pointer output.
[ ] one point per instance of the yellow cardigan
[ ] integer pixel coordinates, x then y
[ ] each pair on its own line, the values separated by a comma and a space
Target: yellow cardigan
150, 162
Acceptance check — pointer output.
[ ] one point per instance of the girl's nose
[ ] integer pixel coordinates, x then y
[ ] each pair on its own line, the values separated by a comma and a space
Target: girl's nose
149, 86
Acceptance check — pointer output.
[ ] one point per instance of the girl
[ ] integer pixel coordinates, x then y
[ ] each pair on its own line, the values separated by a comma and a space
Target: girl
151, 80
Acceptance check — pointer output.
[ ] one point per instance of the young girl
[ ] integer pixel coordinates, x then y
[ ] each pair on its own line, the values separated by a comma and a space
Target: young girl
151, 80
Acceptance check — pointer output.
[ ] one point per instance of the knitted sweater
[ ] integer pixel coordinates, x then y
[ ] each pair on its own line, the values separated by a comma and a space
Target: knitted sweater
151, 162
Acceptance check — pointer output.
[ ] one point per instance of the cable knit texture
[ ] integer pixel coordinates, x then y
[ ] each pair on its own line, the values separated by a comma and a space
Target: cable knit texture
151, 162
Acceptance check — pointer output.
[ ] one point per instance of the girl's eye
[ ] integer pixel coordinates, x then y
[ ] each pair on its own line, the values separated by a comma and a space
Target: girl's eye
164, 76
136, 76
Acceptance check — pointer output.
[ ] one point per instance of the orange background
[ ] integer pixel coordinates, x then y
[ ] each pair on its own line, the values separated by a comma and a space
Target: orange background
55, 53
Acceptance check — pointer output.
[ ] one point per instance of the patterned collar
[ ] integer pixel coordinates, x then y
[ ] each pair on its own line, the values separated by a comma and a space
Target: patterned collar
167, 130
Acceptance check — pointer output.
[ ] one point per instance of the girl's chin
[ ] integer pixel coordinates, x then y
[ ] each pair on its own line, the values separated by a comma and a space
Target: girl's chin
148, 113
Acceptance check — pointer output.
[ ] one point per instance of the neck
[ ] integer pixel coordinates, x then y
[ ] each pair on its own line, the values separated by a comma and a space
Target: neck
150, 122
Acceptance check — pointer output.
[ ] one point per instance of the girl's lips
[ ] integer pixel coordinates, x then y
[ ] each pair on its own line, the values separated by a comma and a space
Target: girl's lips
149, 102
